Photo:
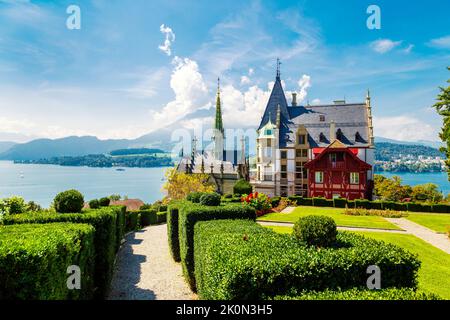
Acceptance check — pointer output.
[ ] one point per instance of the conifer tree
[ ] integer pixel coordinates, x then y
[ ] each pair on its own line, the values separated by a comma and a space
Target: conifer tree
443, 108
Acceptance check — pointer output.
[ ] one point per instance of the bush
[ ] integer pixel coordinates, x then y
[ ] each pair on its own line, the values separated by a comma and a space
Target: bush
194, 196
161, 217
441, 208
242, 186
104, 202
34, 261
377, 205
340, 202
13, 205
228, 196
105, 223
319, 231
189, 215
234, 261
417, 207
275, 201
162, 208
297, 199
210, 199
305, 202
94, 204
70, 201
147, 206
147, 217
361, 294
351, 204
373, 212
172, 230
362, 203
322, 202
120, 223
132, 220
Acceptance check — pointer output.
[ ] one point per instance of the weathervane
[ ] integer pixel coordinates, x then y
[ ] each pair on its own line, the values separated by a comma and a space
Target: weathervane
278, 67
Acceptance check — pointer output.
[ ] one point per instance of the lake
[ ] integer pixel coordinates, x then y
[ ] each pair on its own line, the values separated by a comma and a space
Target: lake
439, 178
41, 183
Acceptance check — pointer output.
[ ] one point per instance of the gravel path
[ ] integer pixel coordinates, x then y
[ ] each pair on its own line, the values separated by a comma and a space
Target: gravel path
438, 240
145, 269
289, 224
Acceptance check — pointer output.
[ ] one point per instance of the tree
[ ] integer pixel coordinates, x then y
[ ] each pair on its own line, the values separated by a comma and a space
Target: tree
427, 192
180, 184
391, 189
442, 106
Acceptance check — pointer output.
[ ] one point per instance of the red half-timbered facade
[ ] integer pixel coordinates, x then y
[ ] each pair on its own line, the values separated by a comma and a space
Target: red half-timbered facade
336, 171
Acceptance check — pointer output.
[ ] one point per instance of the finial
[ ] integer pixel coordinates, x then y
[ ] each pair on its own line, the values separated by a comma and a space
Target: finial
278, 67
218, 84
368, 94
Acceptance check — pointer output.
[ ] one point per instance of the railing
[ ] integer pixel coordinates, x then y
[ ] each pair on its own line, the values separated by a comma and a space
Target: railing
336, 165
268, 177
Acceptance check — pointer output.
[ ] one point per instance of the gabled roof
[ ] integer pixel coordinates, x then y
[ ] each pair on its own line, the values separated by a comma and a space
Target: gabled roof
277, 97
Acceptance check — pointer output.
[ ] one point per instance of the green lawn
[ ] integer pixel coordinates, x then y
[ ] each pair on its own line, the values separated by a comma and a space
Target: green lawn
434, 273
434, 221
335, 213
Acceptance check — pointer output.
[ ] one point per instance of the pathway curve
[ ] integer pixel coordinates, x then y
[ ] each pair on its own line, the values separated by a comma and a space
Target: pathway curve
145, 269
289, 224
438, 240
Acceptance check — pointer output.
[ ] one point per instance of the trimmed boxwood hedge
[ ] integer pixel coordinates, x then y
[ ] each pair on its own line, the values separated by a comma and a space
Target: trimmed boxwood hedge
147, 217
161, 217
322, 202
362, 203
236, 260
104, 221
132, 221
418, 207
34, 261
120, 223
360, 294
340, 202
305, 202
441, 208
172, 230
189, 215
377, 205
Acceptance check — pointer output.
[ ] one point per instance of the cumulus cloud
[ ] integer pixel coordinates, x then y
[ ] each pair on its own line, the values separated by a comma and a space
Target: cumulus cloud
170, 37
404, 128
245, 80
251, 71
443, 42
304, 83
384, 45
190, 91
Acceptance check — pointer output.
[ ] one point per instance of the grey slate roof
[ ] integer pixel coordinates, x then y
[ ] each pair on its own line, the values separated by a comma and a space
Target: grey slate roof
350, 119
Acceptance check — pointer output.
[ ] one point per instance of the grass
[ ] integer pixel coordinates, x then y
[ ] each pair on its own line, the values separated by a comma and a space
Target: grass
434, 274
435, 221
341, 219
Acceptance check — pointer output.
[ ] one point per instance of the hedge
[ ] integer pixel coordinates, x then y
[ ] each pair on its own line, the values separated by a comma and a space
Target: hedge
236, 263
360, 294
418, 207
441, 208
104, 221
305, 202
172, 230
340, 202
275, 201
120, 223
377, 205
322, 202
34, 261
147, 217
189, 215
161, 217
132, 220
362, 203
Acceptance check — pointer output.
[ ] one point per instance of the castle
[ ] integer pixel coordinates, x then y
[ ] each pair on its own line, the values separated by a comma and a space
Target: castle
315, 151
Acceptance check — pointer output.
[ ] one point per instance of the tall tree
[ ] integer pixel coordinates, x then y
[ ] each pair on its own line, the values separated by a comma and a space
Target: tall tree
443, 108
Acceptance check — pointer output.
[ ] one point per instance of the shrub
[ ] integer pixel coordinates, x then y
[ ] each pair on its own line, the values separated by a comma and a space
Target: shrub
259, 201
305, 202
417, 207
132, 220
295, 198
351, 204
70, 201
172, 230
210, 199
322, 202
105, 223
441, 208
275, 201
373, 212
250, 263
362, 203
194, 196
162, 208
13, 205
161, 217
319, 231
147, 217
94, 204
228, 196
377, 205
399, 206
34, 261
104, 202
340, 202
242, 186
361, 294
147, 206
120, 223
189, 215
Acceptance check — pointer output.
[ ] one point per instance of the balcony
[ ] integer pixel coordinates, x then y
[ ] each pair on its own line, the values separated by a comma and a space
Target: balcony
336, 165
268, 177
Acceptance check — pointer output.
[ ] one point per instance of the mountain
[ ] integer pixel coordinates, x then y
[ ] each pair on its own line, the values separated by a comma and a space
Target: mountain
387, 151
70, 146
432, 144
5, 146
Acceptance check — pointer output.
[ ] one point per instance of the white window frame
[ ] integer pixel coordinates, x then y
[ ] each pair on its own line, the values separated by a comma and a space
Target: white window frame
354, 177
318, 177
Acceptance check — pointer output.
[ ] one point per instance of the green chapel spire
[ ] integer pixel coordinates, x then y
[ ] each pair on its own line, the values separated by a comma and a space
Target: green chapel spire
218, 125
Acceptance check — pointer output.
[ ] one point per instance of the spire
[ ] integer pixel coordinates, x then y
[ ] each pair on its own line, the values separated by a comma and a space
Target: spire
218, 124
369, 119
278, 116
278, 68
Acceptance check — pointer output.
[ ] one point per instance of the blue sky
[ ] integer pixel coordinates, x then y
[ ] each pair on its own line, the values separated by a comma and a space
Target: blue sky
111, 79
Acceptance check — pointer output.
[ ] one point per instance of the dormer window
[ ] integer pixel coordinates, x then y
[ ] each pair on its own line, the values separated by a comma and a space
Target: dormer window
339, 134
358, 137
322, 118
268, 132
322, 137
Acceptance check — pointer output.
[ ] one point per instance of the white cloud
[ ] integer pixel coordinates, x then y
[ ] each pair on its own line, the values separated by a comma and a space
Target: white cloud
304, 83
408, 49
251, 71
315, 102
384, 45
443, 42
245, 80
190, 91
170, 37
404, 128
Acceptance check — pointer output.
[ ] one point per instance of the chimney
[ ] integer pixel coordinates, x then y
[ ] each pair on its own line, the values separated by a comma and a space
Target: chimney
294, 99
332, 131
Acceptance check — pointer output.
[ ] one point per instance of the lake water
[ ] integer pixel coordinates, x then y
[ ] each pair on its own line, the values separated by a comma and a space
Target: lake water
440, 178
41, 183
